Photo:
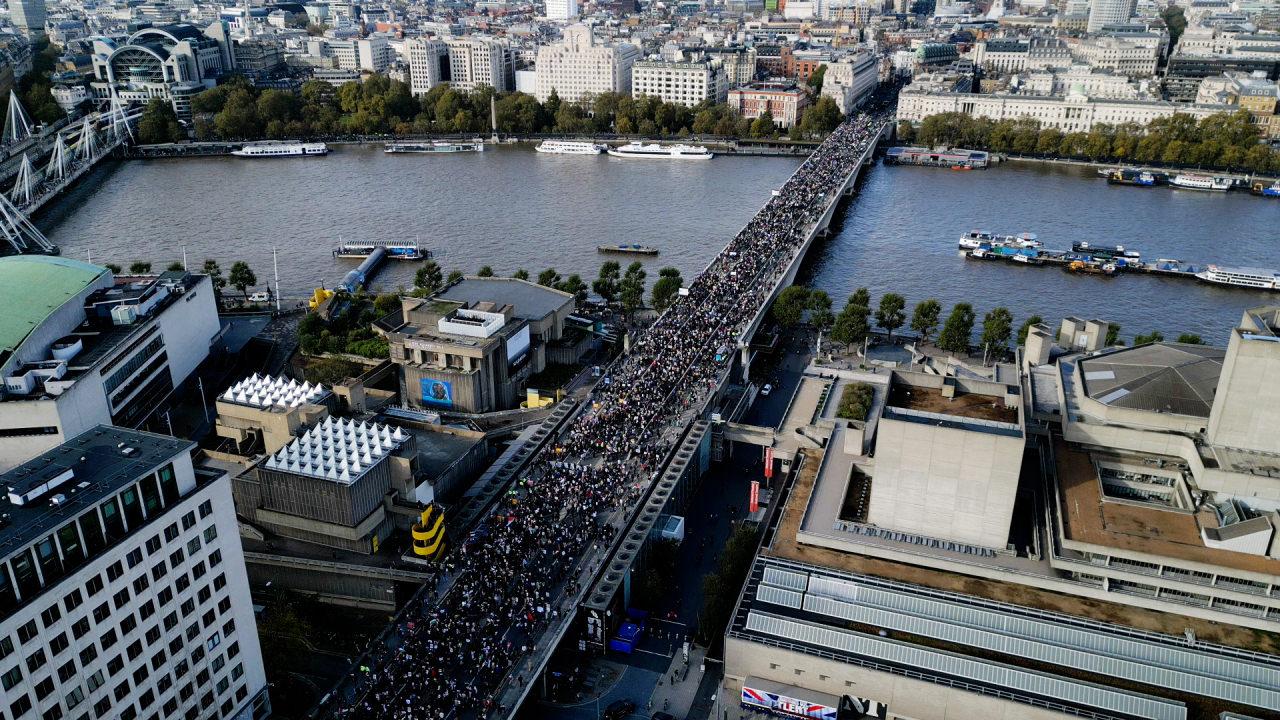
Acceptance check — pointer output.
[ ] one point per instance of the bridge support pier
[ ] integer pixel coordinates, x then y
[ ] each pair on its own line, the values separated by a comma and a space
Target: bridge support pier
745, 361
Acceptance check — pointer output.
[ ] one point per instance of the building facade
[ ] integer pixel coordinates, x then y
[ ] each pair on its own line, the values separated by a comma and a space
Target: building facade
28, 16
682, 83
124, 592
783, 101
851, 81
476, 61
579, 67
1109, 12
171, 62
428, 64
562, 9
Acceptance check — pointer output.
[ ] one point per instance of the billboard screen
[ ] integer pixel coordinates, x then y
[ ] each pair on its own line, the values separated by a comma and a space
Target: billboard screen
518, 345
786, 706
437, 393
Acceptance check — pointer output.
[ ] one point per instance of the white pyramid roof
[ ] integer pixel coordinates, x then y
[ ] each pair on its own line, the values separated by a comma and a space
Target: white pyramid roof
266, 391
337, 449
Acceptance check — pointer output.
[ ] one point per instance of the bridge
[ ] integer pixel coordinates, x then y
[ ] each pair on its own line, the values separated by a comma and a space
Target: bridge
740, 282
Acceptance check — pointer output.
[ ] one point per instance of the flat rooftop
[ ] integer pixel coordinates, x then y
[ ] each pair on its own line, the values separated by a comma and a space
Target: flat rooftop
971, 406
532, 302
100, 468
1087, 518
786, 546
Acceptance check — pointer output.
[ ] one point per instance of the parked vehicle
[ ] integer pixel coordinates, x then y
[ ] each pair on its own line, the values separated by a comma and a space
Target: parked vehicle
619, 709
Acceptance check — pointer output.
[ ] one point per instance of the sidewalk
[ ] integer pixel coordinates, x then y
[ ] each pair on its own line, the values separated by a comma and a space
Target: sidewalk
678, 688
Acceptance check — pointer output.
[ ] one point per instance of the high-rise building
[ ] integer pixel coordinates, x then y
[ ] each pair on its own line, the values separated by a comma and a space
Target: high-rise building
477, 60
123, 592
579, 66
28, 16
562, 9
428, 64
1109, 12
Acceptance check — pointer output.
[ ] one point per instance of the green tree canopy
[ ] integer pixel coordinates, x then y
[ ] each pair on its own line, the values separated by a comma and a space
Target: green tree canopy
925, 318
606, 284
159, 124
241, 277
997, 327
890, 315
429, 278
788, 308
666, 289
957, 330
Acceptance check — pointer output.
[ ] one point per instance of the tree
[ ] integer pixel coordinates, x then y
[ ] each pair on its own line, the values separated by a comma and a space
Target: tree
852, 325
997, 326
575, 286
788, 309
861, 296
925, 318
520, 274
175, 267
159, 124
1113, 334
606, 285
890, 315
215, 274
1025, 328
1154, 336
386, 303
429, 278
454, 276
763, 126
241, 277
820, 311
1190, 339
631, 289
956, 331
666, 289
816, 77
549, 278
139, 268
485, 271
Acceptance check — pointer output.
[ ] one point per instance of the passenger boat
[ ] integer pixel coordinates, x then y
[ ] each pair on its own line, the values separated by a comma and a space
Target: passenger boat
1265, 190
979, 238
566, 147
276, 150
395, 250
638, 149
1246, 277
631, 249
438, 146
1192, 181
1118, 251
1136, 178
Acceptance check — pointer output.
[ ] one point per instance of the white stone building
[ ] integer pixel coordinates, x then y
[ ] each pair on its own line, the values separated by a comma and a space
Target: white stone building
851, 81
683, 83
425, 67
1109, 12
477, 60
580, 66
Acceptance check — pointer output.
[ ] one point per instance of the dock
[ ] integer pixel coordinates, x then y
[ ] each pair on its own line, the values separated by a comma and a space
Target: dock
954, 158
395, 250
1104, 263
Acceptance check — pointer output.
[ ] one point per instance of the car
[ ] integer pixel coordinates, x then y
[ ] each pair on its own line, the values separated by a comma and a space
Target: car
663, 716
619, 709
768, 388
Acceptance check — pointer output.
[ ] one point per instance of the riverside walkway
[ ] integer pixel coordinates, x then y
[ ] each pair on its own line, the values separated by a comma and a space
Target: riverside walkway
472, 645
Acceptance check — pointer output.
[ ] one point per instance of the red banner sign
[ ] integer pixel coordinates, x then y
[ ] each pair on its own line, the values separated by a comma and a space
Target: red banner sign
768, 463
755, 496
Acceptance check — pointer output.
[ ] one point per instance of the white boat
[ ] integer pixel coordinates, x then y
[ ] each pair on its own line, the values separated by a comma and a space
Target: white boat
439, 146
638, 149
282, 150
1257, 278
1191, 181
978, 238
568, 147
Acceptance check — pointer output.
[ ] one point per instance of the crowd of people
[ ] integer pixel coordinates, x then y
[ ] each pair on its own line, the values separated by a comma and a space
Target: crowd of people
504, 585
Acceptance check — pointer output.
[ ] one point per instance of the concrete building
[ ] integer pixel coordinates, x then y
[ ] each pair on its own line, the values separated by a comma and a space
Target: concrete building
1247, 400
28, 16
372, 54
562, 9
476, 61
428, 64
259, 58
851, 80
783, 101
123, 592
265, 413
1082, 79
1135, 55
473, 346
579, 66
1007, 56
328, 486
682, 83
1109, 12
79, 348
739, 63
173, 62
1075, 112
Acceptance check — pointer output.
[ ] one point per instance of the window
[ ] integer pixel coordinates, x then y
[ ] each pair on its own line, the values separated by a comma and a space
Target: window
79, 628
59, 643
6, 647
101, 613
88, 655
134, 649
44, 688
157, 660
153, 545
193, 546
67, 671
175, 645
220, 581
206, 508
153, 635
53, 713
175, 558
182, 583
165, 596
102, 707
20, 706
75, 697
221, 687
108, 639
171, 533
158, 571
10, 679
205, 594
196, 656
145, 699
228, 627
122, 690
164, 682
197, 571
188, 521
215, 557
214, 641
233, 649
170, 707
114, 571
185, 692
128, 624
36, 660
134, 557
210, 533
73, 599
141, 674
218, 663
170, 621
237, 671
121, 598
180, 669
146, 610
187, 607
224, 605
115, 665
28, 632
50, 615
129, 713
141, 584
95, 681
208, 618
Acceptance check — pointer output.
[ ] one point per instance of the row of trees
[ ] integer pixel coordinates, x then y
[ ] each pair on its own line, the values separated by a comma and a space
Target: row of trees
235, 110
1228, 141
613, 285
241, 276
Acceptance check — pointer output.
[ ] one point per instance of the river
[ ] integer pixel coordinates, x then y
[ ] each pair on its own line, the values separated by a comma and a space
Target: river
513, 208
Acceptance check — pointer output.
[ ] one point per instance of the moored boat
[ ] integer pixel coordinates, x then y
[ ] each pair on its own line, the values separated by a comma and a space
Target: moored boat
1193, 181
567, 147
1245, 277
1265, 190
438, 146
395, 250
637, 149
632, 249
278, 150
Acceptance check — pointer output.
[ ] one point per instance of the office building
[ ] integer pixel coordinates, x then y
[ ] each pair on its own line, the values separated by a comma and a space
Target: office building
682, 83
476, 61
579, 66
123, 592
28, 17
1006, 56
783, 101
371, 54
562, 9
739, 63
851, 80
173, 62
428, 64
1109, 12
79, 348
1135, 55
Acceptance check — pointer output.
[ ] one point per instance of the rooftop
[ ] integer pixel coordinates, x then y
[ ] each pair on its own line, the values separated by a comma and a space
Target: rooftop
263, 391
531, 301
1134, 527
100, 462
32, 287
966, 405
338, 450
1159, 377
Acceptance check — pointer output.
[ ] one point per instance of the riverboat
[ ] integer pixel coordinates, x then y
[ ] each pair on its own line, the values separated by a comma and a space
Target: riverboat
1245, 277
1192, 181
629, 249
979, 238
395, 250
1265, 190
566, 147
278, 150
638, 149
439, 146
1117, 251
1135, 178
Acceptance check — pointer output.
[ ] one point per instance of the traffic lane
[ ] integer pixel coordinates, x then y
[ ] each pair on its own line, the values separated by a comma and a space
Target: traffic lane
769, 410
634, 684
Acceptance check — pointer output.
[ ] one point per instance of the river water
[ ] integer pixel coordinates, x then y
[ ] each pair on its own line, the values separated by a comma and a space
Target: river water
513, 208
